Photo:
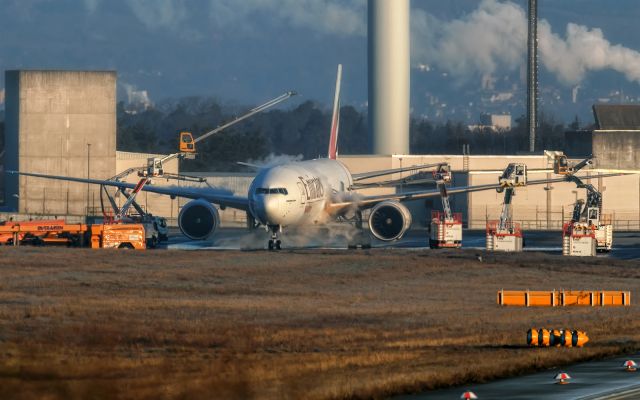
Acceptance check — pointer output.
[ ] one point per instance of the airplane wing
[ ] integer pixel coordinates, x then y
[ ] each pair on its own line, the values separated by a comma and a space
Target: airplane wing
364, 202
374, 174
222, 197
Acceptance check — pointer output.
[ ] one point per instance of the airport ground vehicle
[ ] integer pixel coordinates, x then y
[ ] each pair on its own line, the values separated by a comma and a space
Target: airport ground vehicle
504, 234
58, 232
302, 193
121, 236
446, 227
588, 231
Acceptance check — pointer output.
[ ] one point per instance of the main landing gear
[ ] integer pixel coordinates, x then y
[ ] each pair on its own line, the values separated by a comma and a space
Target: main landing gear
274, 242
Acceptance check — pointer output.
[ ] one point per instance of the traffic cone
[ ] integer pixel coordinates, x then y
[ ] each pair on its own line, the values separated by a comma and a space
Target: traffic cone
630, 365
562, 378
468, 395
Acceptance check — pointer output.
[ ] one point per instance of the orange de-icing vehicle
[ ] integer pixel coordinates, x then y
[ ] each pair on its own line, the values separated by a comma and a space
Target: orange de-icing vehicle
58, 232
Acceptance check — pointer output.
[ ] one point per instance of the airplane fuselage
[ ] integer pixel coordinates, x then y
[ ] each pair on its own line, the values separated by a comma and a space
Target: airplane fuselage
297, 193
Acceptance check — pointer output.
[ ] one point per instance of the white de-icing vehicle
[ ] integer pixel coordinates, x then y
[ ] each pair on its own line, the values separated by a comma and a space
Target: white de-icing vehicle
296, 194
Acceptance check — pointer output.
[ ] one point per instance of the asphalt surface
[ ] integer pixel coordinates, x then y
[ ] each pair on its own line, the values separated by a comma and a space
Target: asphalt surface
626, 245
589, 381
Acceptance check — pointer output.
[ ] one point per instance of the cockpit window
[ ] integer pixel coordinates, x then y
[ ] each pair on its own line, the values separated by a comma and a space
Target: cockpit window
272, 191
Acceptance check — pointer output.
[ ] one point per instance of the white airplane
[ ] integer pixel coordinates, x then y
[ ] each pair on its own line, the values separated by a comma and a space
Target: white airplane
299, 193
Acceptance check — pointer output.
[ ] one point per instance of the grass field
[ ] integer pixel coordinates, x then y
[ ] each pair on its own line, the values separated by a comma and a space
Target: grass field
294, 324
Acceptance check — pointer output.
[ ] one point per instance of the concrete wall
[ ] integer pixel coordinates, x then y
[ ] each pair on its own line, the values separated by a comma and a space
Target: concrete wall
59, 123
617, 149
537, 207
612, 149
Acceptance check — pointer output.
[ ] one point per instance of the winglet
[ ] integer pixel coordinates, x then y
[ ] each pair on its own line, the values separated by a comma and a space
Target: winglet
335, 119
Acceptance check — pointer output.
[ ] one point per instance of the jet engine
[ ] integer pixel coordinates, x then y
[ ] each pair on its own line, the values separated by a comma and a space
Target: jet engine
389, 220
198, 219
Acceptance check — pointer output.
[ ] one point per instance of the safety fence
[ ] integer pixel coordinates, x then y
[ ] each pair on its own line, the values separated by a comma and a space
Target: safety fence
539, 218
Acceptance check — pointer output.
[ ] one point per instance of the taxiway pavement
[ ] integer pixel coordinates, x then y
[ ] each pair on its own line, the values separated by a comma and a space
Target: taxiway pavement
597, 380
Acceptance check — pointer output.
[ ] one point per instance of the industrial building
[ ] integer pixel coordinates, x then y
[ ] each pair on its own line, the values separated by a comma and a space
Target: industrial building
58, 123
63, 123
614, 141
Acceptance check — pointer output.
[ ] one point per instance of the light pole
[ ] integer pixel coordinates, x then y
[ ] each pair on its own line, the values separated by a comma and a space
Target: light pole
88, 174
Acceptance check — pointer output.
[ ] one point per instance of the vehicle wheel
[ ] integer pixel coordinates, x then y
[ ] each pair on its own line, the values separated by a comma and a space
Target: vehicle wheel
278, 245
127, 245
270, 245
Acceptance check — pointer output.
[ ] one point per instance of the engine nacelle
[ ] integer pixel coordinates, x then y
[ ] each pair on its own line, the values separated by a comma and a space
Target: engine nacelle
389, 220
198, 219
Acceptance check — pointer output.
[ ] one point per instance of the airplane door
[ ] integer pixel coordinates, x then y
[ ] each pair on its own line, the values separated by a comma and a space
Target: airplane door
303, 193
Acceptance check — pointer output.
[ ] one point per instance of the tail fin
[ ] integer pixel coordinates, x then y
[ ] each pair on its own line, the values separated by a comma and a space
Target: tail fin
335, 119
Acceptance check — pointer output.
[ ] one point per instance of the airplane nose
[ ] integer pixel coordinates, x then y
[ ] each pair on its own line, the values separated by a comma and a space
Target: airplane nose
267, 210
271, 210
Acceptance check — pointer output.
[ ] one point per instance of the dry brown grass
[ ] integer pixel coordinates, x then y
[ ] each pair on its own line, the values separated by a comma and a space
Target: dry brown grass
295, 324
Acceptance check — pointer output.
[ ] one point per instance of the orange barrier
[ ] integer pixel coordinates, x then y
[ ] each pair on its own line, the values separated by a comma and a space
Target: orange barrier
559, 298
556, 337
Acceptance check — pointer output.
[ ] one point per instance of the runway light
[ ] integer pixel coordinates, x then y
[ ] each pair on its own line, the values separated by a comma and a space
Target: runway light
468, 395
630, 365
562, 378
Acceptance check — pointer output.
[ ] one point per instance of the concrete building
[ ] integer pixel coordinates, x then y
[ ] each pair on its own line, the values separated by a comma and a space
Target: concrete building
492, 122
614, 141
537, 207
58, 123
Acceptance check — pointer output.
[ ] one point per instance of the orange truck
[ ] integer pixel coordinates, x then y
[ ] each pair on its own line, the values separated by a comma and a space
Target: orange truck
58, 232
118, 236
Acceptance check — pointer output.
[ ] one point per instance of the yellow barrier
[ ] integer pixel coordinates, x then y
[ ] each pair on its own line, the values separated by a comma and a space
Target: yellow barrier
555, 298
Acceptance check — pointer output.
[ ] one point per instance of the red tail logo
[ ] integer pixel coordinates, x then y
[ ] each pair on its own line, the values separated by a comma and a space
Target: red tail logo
335, 119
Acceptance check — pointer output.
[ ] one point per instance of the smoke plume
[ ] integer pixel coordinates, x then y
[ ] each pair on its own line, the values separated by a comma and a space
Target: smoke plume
137, 99
582, 51
493, 39
273, 160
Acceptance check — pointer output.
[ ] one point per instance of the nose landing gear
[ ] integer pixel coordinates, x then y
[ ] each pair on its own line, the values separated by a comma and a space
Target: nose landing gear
274, 242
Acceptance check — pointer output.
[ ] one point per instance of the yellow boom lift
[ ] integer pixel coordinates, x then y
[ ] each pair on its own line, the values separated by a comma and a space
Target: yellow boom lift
155, 169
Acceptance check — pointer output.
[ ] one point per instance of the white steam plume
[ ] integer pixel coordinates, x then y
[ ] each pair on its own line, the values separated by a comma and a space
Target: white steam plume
273, 160
137, 98
585, 50
490, 38
493, 38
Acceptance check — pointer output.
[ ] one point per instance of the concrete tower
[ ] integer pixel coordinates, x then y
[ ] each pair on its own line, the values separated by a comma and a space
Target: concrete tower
389, 46
58, 123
